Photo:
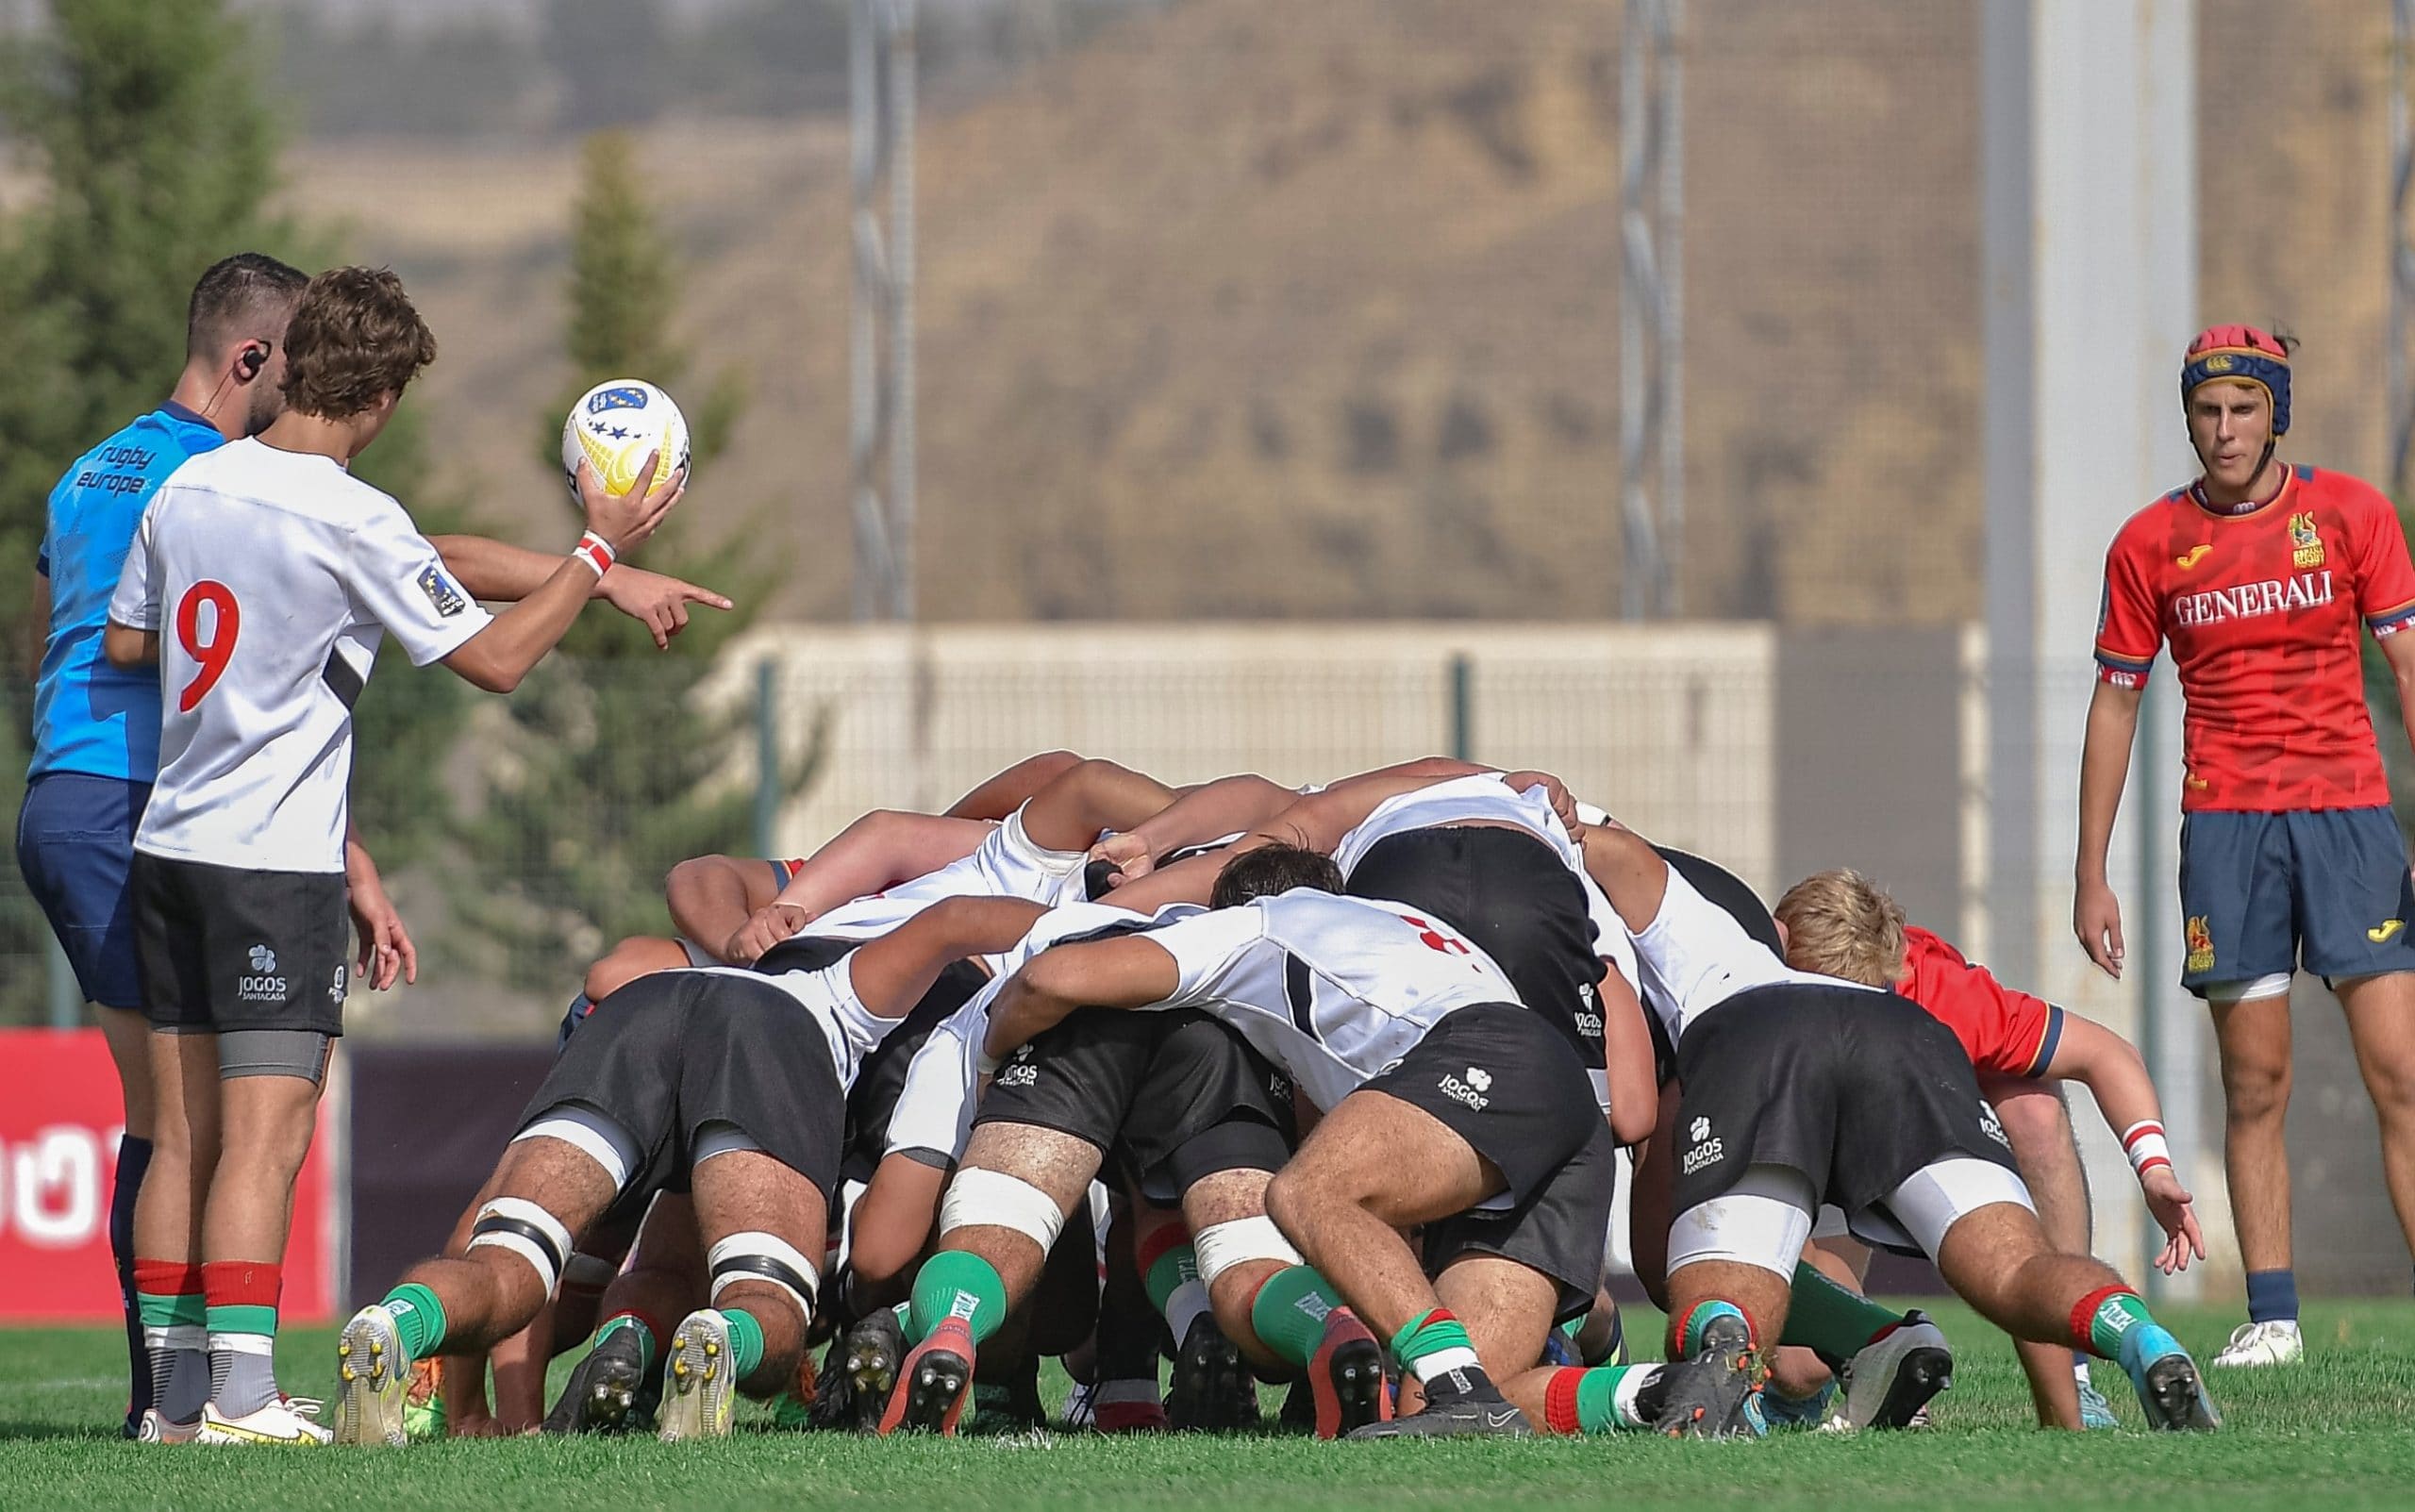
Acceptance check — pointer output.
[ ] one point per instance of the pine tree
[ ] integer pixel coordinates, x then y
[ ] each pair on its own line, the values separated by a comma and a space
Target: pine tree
614, 768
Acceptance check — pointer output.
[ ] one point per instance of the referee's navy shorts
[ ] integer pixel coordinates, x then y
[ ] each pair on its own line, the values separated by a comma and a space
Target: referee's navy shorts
74, 843
2325, 890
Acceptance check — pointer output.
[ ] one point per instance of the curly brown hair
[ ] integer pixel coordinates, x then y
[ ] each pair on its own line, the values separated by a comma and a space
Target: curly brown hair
354, 339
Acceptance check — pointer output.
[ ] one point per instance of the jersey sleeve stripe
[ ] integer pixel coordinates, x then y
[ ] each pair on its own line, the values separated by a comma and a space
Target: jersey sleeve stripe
2400, 615
2115, 663
2048, 1041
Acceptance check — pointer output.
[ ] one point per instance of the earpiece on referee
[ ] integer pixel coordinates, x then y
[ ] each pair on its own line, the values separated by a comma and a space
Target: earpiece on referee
249, 361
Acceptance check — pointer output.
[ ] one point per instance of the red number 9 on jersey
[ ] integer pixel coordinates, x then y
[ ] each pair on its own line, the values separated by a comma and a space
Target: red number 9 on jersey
211, 655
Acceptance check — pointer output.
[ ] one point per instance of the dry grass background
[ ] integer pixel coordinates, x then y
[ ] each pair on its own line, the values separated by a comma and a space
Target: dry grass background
1256, 308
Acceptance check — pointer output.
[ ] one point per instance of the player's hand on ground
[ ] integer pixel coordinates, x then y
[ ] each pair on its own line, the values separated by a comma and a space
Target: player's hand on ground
654, 601
766, 927
626, 519
2172, 1207
2097, 918
386, 948
1129, 854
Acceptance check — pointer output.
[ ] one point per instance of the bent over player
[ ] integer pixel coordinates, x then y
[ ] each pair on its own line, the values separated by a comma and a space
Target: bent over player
1802, 1090
2260, 576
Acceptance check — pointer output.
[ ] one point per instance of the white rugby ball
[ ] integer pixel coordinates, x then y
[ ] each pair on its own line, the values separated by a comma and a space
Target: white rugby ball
614, 426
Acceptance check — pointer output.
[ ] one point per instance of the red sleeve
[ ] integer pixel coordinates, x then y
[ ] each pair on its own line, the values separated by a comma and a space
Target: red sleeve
2129, 629
2385, 577
2001, 1030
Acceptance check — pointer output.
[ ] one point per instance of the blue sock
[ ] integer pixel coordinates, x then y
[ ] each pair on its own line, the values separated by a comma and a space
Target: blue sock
2144, 1344
2272, 1296
133, 1159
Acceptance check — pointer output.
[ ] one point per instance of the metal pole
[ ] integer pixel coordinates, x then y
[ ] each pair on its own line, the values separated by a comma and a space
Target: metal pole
1651, 206
864, 390
881, 97
901, 307
1462, 707
767, 755
1671, 259
2402, 253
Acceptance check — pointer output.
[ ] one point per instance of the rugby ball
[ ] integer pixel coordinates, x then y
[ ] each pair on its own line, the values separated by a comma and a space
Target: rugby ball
614, 426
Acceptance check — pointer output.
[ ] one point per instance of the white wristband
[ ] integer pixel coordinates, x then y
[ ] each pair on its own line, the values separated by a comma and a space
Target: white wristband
597, 552
2143, 1143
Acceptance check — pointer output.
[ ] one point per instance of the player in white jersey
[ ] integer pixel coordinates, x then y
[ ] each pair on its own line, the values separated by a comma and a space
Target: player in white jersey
261, 580
1799, 1091
1443, 1094
1054, 804
727, 1083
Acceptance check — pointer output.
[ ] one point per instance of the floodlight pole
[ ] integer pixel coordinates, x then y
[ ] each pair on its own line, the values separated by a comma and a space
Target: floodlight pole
1652, 435
2402, 250
880, 78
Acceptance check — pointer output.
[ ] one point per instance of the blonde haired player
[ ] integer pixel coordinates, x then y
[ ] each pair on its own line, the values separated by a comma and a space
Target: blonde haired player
1839, 923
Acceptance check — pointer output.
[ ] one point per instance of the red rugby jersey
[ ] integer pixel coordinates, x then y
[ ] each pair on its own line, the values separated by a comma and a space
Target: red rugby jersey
2261, 611
2000, 1029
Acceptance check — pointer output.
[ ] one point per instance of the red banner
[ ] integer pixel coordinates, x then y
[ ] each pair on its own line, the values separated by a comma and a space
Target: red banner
60, 1120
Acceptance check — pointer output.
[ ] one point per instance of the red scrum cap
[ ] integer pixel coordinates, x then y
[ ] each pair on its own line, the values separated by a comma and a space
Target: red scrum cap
2243, 353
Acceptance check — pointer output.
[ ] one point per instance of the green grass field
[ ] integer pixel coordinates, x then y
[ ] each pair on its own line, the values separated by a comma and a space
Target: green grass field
2335, 1434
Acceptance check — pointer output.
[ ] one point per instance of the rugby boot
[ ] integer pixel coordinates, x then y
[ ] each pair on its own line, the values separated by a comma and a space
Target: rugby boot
1712, 1394
1891, 1378
154, 1428
1782, 1411
283, 1422
934, 1383
863, 1372
1346, 1377
601, 1394
376, 1379
2274, 1342
1011, 1406
1489, 1416
2170, 1388
699, 1380
1213, 1391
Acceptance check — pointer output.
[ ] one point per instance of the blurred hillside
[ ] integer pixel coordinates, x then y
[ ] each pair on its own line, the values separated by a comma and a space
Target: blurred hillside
1247, 308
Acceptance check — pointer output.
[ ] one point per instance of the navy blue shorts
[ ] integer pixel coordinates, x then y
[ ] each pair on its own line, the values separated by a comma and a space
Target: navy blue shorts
75, 842
2323, 890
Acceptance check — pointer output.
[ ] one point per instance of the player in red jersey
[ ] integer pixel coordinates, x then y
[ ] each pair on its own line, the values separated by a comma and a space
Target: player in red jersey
2258, 576
1842, 925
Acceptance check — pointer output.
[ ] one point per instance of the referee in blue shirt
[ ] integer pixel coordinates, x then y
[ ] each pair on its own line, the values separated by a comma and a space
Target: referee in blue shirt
96, 727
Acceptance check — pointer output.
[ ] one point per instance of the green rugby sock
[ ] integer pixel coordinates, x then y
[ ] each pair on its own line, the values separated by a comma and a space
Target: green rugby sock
1289, 1313
1607, 1399
1831, 1320
419, 1318
1435, 1348
955, 1284
2108, 1316
745, 1343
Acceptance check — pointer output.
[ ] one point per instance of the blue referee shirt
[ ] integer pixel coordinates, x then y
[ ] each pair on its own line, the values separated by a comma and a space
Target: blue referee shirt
89, 716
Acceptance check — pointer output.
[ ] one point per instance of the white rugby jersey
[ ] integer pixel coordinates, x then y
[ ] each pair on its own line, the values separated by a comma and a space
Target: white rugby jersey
935, 1106
1695, 956
828, 995
1336, 990
269, 576
1007, 864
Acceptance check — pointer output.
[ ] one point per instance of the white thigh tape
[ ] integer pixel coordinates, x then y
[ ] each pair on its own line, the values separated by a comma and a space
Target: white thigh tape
992, 1198
1223, 1246
527, 1231
592, 1134
755, 1255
